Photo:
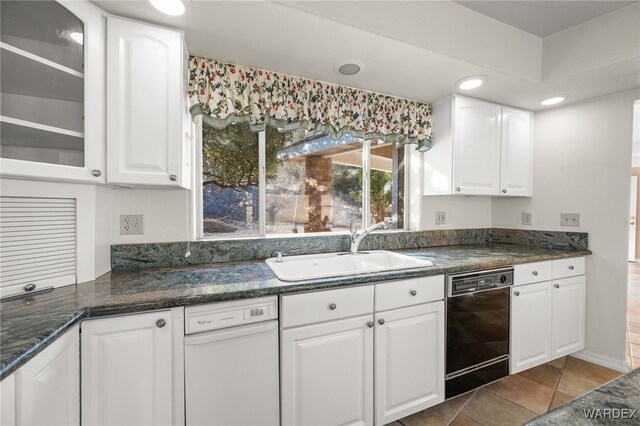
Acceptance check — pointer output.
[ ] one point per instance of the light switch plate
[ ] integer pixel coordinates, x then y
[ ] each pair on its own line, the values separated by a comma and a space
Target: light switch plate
527, 218
570, 219
441, 218
131, 224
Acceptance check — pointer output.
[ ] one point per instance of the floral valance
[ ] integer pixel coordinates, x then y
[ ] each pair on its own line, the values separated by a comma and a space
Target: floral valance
226, 93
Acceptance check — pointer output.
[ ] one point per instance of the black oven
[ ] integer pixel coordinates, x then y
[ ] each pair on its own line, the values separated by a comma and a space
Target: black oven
477, 329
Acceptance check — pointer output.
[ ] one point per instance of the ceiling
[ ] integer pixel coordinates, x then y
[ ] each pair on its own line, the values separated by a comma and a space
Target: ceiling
543, 18
412, 49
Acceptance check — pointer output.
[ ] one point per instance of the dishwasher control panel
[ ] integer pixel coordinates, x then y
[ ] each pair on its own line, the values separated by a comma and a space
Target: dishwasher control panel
214, 316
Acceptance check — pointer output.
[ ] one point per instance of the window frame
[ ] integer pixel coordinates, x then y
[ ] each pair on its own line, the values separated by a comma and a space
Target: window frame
197, 201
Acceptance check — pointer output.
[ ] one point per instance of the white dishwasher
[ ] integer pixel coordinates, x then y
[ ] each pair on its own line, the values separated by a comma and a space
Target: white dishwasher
231, 363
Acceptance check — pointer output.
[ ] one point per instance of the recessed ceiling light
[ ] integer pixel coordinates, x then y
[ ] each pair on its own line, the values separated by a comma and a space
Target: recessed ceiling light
472, 82
348, 66
552, 101
77, 37
169, 7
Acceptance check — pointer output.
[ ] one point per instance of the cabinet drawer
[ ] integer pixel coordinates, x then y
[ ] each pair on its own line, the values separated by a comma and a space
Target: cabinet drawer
308, 308
571, 267
397, 294
532, 273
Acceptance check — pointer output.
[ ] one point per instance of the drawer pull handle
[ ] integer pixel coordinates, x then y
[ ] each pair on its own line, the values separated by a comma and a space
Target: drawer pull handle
332, 307
535, 273
381, 321
504, 191
517, 293
173, 178
204, 322
413, 293
458, 189
370, 324
96, 172
571, 268
161, 323
556, 285
30, 287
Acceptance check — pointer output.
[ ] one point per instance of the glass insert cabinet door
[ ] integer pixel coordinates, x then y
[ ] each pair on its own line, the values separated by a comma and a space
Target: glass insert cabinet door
51, 90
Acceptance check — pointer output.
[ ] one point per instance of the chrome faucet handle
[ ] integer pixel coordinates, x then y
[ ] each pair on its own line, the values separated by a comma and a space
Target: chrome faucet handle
353, 229
278, 257
387, 222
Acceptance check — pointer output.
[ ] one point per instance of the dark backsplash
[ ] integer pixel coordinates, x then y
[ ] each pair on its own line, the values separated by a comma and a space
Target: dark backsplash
137, 256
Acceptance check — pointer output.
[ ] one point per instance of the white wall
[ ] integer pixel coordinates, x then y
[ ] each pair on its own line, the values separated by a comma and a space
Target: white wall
461, 212
165, 214
582, 164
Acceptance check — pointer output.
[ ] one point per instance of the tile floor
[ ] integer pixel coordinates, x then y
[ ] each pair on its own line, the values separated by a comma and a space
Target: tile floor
516, 399
633, 316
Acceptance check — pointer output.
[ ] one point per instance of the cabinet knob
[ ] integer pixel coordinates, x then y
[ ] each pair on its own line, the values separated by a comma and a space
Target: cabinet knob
517, 293
556, 285
381, 321
571, 268
458, 189
332, 307
413, 293
173, 178
96, 172
161, 323
504, 191
535, 273
29, 287
370, 324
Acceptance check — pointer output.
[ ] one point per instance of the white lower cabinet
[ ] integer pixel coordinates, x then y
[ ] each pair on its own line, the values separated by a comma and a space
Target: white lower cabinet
133, 369
409, 360
46, 390
8, 401
530, 326
568, 316
547, 321
327, 373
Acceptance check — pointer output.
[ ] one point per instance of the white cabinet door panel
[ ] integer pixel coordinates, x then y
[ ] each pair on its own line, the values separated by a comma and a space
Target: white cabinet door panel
48, 386
327, 373
8, 401
516, 158
409, 360
145, 101
530, 326
568, 315
127, 365
476, 147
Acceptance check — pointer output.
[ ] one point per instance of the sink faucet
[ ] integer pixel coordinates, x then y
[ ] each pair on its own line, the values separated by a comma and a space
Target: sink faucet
356, 240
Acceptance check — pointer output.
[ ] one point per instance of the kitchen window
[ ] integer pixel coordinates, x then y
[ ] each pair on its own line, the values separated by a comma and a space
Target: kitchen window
275, 183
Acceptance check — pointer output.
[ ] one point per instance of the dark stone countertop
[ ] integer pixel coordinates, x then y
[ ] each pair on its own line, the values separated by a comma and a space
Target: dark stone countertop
29, 325
621, 395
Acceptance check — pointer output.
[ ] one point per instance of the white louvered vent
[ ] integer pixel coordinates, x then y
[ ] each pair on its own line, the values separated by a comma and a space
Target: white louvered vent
37, 243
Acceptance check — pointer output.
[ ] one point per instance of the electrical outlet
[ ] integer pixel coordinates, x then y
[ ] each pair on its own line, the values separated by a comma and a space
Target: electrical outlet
527, 218
441, 218
131, 224
570, 219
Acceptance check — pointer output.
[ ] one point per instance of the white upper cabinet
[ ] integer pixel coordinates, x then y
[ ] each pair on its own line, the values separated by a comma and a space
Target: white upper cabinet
476, 147
516, 158
146, 105
52, 91
479, 148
